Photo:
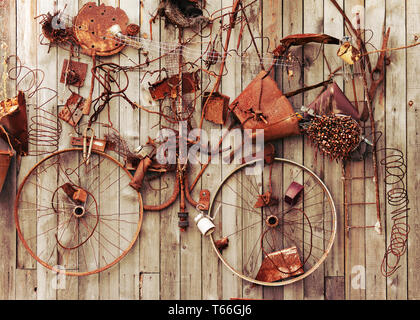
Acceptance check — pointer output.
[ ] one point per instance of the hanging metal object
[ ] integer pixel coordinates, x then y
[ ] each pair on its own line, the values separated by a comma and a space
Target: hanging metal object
14, 119
263, 106
333, 101
348, 53
5, 159
91, 29
280, 265
73, 110
74, 73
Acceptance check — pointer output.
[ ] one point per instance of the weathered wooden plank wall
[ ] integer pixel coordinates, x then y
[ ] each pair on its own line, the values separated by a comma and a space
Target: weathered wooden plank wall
169, 264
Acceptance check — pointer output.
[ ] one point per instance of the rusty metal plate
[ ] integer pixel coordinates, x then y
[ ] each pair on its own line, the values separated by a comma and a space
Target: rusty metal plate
98, 144
75, 73
334, 101
263, 106
169, 87
280, 265
91, 27
73, 110
217, 106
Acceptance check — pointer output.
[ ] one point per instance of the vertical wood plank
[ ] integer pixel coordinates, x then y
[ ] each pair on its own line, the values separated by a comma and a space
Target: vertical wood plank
272, 12
313, 15
251, 181
149, 286
149, 238
396, 121
375, 243
69, 258
47, 61
293, 146
211, 270
413, 143
356, 237
169, 231
109, 280
334, 288
88, 286
130, 128
191, 244
232, 285
29, 289
8, 194
334, 264
27, 35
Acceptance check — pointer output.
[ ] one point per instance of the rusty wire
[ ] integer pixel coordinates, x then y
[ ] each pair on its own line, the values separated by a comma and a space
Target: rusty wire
44, 127
396, 197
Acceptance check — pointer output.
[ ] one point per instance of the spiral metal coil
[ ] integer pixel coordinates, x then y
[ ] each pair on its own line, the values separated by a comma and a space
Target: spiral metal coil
44, 127
396, 197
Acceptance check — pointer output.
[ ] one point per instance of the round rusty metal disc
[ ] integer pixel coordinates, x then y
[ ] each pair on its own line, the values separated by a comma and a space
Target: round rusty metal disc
91, 27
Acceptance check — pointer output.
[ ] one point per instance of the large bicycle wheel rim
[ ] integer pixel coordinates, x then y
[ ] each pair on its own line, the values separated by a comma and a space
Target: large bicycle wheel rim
327, 248
136, 215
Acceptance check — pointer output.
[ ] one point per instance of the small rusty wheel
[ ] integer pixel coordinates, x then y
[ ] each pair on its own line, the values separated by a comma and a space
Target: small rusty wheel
282, 240
68, 213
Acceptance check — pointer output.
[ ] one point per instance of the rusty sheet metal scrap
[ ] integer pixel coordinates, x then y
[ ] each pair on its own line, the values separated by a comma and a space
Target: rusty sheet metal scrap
73, 110
15, 121
302, 39
333, 100
280, 265
263, 106
169, 87
217, 106
74, 73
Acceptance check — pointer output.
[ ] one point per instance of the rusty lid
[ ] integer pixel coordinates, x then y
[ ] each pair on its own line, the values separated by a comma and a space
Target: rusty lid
91, 29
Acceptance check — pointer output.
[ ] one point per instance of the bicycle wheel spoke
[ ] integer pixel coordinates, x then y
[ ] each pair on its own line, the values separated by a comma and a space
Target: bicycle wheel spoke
311, 230
74, 232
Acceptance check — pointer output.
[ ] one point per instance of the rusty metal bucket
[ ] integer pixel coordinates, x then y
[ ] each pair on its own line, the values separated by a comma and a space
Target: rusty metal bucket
5, 158
263, 106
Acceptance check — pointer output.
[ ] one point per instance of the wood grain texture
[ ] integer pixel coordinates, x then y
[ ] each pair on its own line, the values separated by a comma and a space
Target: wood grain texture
375, 243
167, 264
356, 236
8, 235
293, 23
413, 144
396, 118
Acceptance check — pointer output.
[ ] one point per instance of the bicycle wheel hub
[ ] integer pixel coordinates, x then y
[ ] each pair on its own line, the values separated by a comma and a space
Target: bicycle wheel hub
79, 211
272, 221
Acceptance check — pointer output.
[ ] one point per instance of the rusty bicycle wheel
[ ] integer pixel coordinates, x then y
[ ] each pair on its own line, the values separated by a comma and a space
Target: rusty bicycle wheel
78, 218
274, 226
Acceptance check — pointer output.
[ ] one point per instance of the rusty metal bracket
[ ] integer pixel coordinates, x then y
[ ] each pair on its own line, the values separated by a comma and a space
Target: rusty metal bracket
74, 74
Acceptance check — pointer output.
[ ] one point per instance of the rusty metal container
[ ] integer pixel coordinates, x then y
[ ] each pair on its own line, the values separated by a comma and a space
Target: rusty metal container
280, 265
15, 122
5, 158
263, 106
